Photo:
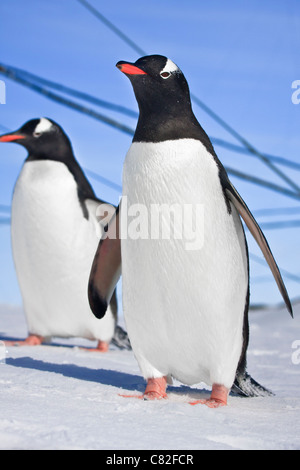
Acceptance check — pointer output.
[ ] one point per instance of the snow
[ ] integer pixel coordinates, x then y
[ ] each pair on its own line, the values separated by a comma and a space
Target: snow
60, 396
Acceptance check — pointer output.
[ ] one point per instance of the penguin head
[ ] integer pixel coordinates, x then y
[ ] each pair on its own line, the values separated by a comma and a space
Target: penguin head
158, 83
163, 96
43, 138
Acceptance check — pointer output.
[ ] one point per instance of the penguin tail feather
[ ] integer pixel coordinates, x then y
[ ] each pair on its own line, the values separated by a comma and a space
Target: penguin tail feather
121, 339
245, 386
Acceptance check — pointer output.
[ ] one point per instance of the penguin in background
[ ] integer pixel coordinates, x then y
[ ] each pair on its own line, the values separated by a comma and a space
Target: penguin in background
186, 311
55, 232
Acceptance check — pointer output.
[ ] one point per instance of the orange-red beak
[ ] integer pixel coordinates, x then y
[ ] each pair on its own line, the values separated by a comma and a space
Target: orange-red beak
130, 69
11, 137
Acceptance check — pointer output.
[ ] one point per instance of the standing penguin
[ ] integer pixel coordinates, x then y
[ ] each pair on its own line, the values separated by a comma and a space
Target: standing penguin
55, 233
186, 310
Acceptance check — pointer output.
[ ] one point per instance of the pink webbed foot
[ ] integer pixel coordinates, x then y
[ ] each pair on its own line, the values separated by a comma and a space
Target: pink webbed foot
156, 389
217, 398
102, 347
31, 340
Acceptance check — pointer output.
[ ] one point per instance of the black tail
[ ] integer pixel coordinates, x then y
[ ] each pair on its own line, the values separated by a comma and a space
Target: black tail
245, 386
121, 339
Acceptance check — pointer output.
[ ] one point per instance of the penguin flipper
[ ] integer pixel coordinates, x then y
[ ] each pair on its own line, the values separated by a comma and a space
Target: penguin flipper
258, 235
106, 268
245, 386
121, 338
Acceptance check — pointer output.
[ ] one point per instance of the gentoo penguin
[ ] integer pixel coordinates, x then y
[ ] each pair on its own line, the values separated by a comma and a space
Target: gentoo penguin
185, 304
55, 233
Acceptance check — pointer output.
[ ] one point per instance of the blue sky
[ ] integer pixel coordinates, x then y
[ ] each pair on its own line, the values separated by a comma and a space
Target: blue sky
239, 57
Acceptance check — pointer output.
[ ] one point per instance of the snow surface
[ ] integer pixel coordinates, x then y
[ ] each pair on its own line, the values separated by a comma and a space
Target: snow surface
59, 396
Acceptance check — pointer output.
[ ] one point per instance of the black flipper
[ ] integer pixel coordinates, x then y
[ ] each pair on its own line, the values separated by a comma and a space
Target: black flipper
121, 339
106, 268
258, 235
245, 386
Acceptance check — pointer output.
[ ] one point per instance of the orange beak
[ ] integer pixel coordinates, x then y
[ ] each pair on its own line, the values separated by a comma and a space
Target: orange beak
11, 137
130, 69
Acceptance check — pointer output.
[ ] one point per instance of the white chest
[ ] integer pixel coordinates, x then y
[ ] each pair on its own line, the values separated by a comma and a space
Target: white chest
53, 247
180, 177
171, 294
45, 199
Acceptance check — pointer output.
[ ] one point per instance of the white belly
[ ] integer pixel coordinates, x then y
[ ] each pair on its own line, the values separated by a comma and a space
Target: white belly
53, 249
183, 307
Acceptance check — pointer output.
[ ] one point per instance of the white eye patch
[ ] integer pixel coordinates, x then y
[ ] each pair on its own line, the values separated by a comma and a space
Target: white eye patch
169, 68
43, 126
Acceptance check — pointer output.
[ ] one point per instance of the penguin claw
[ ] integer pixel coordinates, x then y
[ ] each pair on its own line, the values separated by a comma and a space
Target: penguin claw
218, 397
211, 403
131, 396
154, 396
145, 397
155, 390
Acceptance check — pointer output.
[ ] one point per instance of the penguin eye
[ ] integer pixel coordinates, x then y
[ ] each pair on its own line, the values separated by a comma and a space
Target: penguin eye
36, 134
165, 74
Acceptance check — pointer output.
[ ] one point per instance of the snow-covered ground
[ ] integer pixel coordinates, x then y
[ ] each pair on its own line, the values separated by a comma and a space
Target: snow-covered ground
59, 396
